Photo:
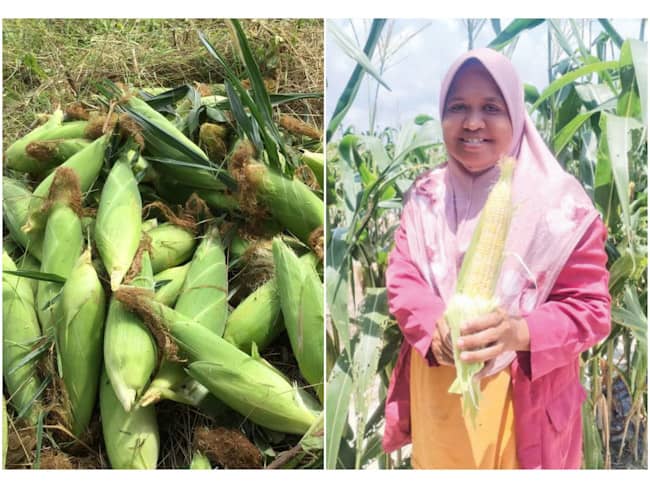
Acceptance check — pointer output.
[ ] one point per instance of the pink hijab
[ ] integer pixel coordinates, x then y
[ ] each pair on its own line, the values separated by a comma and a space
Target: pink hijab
551, 209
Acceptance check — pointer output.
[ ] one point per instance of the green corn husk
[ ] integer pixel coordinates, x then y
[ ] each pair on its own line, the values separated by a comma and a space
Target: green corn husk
172, 383
16, 199
79, 341
62, 246
52, 152
204, 299
477, 280
20, 332
15, 156
145, 110
172, 190
316, 162
171, 245
246, 384
168, 284
159, 148
86, 164
290, 201
256, 319
204, 296
119, 214
301, 300
130, 352
131, 438
200, 461
149, 224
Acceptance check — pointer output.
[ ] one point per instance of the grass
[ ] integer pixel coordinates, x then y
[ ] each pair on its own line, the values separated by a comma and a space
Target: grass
50, 62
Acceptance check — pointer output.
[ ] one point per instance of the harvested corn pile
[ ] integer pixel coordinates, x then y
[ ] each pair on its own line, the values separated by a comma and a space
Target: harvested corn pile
162, 290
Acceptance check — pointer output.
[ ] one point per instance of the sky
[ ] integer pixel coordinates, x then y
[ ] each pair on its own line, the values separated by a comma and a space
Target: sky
415, 71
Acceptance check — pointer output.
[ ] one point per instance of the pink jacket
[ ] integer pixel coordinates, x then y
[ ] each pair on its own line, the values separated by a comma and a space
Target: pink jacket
547, 393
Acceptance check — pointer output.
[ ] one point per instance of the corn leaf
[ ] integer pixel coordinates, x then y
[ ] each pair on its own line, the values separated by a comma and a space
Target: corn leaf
36, 275
613, 35
571, 76
351, 89
338, 394
510, 33
349, 47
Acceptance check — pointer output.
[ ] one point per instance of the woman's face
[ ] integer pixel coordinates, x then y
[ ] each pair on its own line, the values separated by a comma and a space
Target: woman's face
476, 126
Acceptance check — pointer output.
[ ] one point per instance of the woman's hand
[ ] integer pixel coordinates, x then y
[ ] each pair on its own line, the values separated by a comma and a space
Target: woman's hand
488, 336
441, 344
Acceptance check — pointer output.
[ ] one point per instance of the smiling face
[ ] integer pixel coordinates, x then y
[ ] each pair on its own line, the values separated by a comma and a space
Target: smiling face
476, 126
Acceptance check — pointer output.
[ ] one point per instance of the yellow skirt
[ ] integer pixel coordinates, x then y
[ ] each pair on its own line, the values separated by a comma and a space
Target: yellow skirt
443, 438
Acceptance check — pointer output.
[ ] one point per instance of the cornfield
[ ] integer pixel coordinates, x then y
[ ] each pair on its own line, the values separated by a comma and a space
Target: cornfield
593, 115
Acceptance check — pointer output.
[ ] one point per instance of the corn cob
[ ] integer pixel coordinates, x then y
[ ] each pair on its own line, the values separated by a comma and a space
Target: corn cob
20, 332
175, 191
79, 341
477, 280
21, 156
168, 284
204, 296
119, 214
290, 201
15, 153
246, 384
159, 148
130, 353
87, 164
213, 137
52, 152
62, 243
256, 319
131, 438
301, 300
316, 162
171, 245
16, 200
204, 299
200, 461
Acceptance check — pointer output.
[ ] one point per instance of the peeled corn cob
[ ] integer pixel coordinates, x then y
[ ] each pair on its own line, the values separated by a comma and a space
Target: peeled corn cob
477, 280
20, 331
119, 214
131, 438
79, 341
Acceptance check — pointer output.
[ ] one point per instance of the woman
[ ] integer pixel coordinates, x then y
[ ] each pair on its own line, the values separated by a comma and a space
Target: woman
553, 289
